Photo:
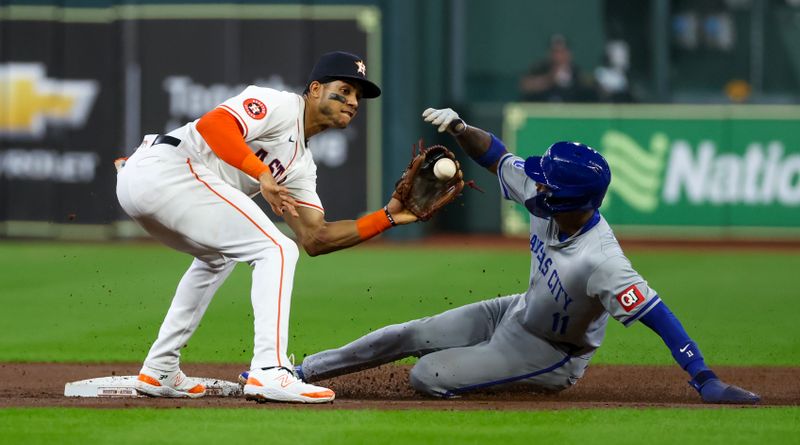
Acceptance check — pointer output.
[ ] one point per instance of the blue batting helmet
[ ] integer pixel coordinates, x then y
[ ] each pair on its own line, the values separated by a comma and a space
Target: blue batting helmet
576, 177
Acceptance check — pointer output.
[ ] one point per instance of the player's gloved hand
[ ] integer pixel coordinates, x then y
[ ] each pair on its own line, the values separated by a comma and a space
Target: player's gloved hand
445, 119
714, 390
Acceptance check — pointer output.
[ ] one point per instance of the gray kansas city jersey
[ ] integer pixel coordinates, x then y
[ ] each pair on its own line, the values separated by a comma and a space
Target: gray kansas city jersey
574, 284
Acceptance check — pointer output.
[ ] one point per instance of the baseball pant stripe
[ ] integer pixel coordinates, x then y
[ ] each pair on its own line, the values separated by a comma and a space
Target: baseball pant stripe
280, 248
508, 380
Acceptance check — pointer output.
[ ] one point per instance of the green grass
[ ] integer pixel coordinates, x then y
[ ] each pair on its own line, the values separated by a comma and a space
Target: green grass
301, 426
104, 302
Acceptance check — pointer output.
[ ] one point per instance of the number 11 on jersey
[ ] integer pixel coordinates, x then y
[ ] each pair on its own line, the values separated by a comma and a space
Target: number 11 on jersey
560, 323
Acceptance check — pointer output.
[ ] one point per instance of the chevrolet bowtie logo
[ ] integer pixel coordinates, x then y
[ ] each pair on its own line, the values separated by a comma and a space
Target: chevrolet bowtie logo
29, 100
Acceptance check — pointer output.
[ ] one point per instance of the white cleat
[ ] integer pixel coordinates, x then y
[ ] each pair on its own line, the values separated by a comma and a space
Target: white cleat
157, 383
279, 384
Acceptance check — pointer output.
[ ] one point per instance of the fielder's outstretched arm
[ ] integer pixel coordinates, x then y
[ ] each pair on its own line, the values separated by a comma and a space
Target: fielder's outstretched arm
483, 147
318, 236
224, 135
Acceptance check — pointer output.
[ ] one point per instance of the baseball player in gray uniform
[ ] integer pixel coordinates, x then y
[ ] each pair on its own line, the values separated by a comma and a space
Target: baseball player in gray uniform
546, 336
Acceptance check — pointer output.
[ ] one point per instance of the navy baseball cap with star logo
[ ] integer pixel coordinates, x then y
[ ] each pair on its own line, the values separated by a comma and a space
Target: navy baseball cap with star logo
340, 65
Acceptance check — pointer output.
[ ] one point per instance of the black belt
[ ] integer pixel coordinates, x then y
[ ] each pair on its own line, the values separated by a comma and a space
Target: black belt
166, 139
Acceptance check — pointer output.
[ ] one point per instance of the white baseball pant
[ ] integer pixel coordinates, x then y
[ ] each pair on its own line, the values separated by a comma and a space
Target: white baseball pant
186, 206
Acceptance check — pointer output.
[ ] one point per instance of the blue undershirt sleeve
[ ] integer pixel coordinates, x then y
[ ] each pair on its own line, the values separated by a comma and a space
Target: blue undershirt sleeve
684, 350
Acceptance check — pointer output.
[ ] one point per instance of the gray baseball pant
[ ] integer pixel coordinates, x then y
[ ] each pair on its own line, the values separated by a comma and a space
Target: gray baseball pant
480, 345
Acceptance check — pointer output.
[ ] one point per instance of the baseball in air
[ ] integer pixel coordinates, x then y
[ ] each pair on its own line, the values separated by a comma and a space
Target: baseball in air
444, 169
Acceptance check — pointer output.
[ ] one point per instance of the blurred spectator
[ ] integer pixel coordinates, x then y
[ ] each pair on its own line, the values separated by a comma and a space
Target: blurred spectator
611, 78
556, 78
738, 90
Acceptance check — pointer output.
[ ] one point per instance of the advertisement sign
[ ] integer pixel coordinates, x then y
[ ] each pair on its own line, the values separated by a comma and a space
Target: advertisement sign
102, 78
707, 170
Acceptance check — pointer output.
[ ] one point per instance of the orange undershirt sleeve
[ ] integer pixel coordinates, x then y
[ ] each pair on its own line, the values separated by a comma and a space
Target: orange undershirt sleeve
223, 134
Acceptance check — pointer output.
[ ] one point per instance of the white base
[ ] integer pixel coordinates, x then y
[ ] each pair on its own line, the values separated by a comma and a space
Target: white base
122, 386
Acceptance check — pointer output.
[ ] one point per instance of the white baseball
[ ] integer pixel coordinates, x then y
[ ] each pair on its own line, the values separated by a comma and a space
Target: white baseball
444, 169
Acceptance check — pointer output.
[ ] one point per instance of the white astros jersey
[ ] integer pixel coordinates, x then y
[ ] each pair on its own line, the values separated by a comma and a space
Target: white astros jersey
272, 122
576, 283
184, 195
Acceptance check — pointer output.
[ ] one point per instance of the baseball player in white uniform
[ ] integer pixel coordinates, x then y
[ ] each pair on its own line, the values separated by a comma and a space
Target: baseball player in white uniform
546, 336
192, 189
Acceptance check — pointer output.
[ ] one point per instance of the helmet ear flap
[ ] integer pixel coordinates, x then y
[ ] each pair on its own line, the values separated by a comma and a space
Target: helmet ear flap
538, 206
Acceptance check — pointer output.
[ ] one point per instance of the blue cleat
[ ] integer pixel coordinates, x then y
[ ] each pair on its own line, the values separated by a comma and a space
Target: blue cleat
714, 390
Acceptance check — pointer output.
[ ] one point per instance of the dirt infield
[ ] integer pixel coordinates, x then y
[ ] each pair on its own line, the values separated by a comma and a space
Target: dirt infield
630, 244
42, 385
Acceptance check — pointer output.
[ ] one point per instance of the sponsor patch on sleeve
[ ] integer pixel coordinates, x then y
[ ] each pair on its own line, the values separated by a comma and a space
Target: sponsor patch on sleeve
630, 298
255, 108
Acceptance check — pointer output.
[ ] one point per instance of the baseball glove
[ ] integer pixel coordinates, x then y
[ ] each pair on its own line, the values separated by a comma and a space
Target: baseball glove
420, 190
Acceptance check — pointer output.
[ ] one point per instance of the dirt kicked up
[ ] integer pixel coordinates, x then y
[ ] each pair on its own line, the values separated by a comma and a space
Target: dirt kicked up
386, 387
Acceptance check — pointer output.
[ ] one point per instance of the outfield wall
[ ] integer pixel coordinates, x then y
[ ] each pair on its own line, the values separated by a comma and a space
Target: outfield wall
677, 170
92, 81
95, 76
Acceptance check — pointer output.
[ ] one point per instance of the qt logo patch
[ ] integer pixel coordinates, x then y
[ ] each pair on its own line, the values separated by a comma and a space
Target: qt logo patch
255, 108
630, 298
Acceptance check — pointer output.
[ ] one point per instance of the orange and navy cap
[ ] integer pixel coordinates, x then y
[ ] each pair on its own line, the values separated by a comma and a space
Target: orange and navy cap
340, 65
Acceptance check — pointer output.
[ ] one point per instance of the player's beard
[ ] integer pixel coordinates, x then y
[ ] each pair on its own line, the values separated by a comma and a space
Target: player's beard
333, 111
